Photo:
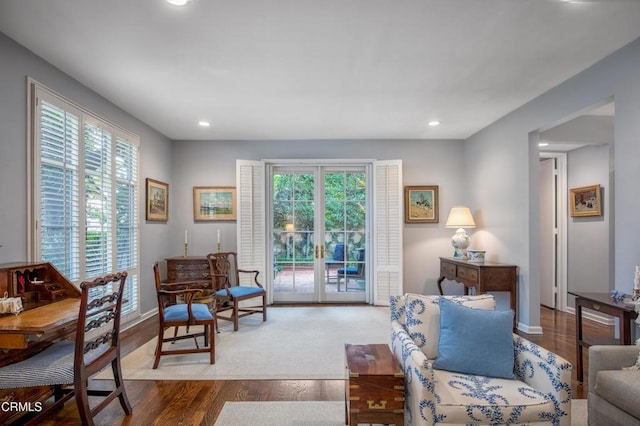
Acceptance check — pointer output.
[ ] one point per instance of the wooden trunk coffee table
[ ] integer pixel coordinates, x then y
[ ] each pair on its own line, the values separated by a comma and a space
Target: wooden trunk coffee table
374, 392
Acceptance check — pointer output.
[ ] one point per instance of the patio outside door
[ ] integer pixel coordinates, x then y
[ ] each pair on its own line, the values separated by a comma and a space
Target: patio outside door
318, 228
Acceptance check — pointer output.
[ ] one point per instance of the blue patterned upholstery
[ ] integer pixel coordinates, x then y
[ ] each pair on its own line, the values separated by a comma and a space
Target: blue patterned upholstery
180, 313
540, 394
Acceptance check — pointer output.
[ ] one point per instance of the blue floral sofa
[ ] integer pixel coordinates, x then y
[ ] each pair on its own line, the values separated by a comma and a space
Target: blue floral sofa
539, 392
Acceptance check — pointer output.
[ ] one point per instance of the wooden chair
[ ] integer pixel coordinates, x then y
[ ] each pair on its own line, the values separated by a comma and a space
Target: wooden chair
172, 313
230, 290
73, 363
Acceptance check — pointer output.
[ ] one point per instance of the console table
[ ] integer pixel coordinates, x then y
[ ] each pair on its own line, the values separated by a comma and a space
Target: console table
601, 302
485, 277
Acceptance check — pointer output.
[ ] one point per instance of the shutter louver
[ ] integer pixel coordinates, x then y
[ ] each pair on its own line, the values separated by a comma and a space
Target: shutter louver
387, 230
251, 217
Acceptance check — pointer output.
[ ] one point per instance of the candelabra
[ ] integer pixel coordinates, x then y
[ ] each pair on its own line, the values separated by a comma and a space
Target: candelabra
219, 247
186, 250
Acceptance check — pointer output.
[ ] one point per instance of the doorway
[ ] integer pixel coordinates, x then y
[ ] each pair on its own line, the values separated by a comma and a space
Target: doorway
318, 228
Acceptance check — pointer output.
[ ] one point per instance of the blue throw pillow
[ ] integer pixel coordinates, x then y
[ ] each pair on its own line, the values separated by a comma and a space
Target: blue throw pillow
475, 341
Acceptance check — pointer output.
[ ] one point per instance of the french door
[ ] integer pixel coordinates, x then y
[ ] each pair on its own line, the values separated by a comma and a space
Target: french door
318, 227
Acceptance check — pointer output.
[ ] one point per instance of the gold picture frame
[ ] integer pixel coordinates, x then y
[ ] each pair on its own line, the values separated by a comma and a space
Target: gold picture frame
214, 203
421, 204
157, 201
585, 201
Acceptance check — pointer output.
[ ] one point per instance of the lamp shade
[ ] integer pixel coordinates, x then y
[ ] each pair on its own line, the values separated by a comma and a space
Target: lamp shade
460, 217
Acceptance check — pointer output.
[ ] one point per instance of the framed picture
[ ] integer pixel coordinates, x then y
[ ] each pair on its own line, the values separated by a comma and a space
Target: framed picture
585, 201
157, 201
421, 204
214, 203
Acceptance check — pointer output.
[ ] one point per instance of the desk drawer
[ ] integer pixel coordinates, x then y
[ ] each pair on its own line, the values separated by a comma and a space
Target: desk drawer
448, 270
467, 274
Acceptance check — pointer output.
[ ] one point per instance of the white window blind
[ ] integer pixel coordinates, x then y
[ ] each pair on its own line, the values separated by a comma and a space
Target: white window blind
387, 219
250, 181
85, 193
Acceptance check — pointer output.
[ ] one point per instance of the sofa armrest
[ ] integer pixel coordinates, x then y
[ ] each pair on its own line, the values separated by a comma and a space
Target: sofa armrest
419, 378
544, 371
610, 357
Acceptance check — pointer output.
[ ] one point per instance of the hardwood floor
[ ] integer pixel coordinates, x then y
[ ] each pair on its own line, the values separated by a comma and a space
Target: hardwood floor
165, 402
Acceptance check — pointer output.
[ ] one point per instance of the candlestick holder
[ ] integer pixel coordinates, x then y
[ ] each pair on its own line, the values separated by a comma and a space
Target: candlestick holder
219, 247
186, 250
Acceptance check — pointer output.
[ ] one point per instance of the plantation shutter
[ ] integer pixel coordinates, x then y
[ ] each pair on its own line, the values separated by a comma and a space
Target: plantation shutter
58, 130
84, 194
387, 220
126, 175
251, 238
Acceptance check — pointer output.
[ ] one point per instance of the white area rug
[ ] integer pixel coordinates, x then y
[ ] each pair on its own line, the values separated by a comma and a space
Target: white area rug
328, 413
294, 343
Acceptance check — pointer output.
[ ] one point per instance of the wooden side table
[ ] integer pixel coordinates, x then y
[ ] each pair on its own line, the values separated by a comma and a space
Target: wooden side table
374, 392
485, 277
601, 302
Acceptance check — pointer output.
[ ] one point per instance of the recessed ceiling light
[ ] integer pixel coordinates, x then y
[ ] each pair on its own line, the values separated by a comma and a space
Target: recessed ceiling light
434, 123
543, 144
177, 2
204, 123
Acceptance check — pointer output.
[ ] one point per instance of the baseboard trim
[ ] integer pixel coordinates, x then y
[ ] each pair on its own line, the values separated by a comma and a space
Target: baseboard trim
142, 318
529, 329
600, 319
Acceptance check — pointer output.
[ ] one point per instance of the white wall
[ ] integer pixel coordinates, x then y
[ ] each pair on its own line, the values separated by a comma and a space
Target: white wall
16, 65
503, 173
588, 237
212, 163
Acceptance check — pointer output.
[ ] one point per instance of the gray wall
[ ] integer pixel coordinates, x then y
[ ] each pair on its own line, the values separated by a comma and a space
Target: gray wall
588, 237
212, 163
155, 156
503, 167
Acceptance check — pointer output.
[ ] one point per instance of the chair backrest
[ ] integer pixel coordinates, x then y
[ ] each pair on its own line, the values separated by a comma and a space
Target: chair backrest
338, 252
360, 261
100, 309
224, 269
163, 300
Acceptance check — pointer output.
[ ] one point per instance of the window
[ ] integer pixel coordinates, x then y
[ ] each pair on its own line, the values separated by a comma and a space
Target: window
84, 195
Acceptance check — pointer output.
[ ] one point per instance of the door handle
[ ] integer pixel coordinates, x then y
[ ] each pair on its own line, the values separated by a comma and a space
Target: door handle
321, 252
316, 252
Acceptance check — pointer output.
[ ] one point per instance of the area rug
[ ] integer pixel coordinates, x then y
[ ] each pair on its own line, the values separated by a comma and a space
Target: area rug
313, 413
294, 343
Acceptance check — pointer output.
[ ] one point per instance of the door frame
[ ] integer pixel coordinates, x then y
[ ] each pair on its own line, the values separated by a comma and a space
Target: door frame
320, 166
561, 208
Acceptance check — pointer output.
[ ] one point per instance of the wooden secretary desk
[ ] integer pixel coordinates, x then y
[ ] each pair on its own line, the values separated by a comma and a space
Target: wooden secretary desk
51, 306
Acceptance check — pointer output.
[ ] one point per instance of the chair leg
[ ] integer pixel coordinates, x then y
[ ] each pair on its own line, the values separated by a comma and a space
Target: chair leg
212, 343
122, 394
82, 401
159, 347
264, 307
206, 336
175, 333
235, 315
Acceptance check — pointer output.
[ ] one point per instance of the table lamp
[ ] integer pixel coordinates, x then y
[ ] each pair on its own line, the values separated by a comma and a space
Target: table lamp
460, 217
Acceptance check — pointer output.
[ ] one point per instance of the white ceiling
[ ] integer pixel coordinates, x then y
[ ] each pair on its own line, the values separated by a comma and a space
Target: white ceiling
320, 69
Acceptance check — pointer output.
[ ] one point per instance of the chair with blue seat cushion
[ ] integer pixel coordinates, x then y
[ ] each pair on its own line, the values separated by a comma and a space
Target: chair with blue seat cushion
67, 366
176, 308
351, 273
233, 286
338, 259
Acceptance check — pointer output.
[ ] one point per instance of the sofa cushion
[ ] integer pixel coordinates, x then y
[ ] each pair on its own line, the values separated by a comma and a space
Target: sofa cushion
620, 388
423, 317
475, 341
488, 400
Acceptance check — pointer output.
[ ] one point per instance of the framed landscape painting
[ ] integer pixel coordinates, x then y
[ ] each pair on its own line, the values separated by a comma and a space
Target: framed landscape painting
157, 200
421, 204
585, 201
214, 203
